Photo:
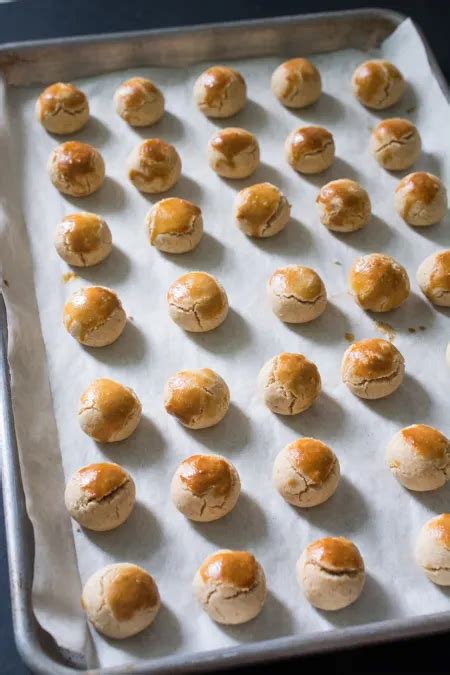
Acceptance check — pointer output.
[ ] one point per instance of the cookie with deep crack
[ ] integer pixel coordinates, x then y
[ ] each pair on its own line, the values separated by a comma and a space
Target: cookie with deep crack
197, 398
120, 600
419, 457
261, 210
76, 169
233, 153
306, 472
421, 199
94, 316
331, 573
289, 383
109, 411
100, 496
378, 282
296, 294
378, 84
296, 83
433, 276
197, 302
62, 108
205, 487
220, 92
344, 205
139, 102
154, 166
83, 239
372, 368
433, 549
310, 149
174, 225
395, 143
230, 586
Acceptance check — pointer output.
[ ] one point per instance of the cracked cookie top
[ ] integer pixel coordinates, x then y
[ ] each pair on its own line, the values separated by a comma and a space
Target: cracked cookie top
378, 282
98, 481
371, 359
312, 459
112, 406
231, 568
302, 283
378, 84
202, 474
197, 398
220, 91
336, 555
426, 441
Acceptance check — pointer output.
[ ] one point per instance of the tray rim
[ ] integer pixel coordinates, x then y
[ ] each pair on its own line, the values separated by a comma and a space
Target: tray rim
26, 628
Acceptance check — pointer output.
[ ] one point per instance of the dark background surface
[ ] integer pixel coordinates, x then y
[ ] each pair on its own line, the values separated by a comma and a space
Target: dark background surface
32, 20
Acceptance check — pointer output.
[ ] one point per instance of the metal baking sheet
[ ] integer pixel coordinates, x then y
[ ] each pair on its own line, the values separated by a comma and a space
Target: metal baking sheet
51, 61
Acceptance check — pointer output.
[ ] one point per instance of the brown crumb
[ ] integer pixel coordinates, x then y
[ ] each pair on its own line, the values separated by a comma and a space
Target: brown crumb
387, 329
131, 318
337, 262
411, 330
422, 327
411, 109
349, 337
6, 282
69, 276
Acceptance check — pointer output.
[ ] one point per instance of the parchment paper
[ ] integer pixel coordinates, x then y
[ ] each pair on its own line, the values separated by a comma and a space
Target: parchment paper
369, 506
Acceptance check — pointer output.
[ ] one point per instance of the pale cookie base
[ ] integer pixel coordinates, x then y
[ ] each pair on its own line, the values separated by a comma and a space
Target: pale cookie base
297, 489
105, 334
373, 389
276, 398
328, 591
291, 309
100, 516
413, 471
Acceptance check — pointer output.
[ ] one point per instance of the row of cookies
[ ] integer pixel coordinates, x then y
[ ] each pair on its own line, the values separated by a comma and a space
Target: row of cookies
219, 92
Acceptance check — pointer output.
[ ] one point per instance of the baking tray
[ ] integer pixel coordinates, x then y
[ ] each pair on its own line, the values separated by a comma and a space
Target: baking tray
45, 61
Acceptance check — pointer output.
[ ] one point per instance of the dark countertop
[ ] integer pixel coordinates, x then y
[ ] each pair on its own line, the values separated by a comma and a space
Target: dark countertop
31, 20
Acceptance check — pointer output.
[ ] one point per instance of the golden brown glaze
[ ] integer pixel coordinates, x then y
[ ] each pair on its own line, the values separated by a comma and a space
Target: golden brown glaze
440, 527
203, 474
396, 128
90, 308
376, 277
136, 92
98, 481
418, 187
61, 96
336, 554
157, 159
371, 359
113, 401
189, 394
312, 458
352, 201
82, 232
258, 204
74, 159
296, 374
440, 276
426, 441
173, 216
301, 282
231, 142
216, 81
373, 77
200, 291
131, 590
297, 71
309, 141
233, 568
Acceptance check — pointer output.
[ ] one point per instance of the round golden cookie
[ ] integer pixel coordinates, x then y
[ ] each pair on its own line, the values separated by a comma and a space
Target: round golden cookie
296, 294
378, 282
94, 316
230, 586
197, 398
174, 225
433, 277
432, 551
421, 199
310, 149
139, 102
154, 166
83, 239
344, 205
233, 153
220, 92
109, 411
419, 457
205, 487
306, 472
289, 383
395, 143
100, 496
296, 83
331, 573
76, 169
197, 302
378, 84
62, 108
120, 600
372, 368
261, 210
